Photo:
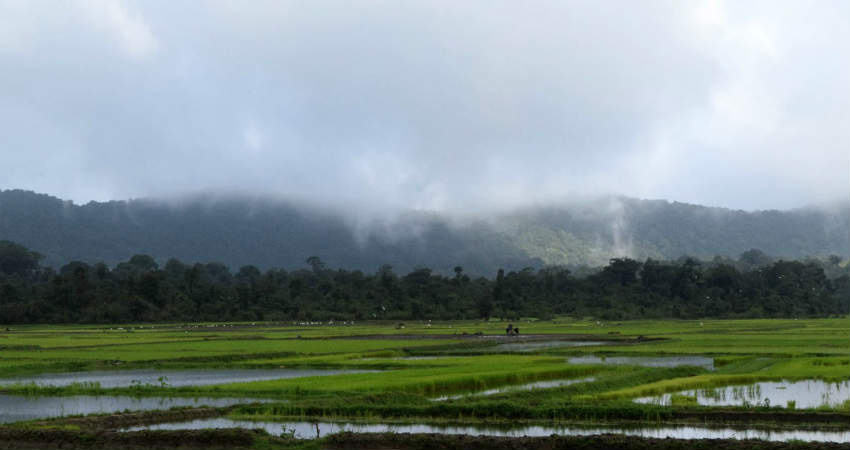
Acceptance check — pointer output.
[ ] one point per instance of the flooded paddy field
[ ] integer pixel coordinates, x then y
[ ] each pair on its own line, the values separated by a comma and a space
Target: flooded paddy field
314, 430
788, 394
646, 361
541, 345
176, 378
774, 380
517, 387
15, 408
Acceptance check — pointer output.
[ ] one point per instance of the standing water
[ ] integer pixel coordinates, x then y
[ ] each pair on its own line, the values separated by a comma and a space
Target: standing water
549, 384
125, 378
17, 407
646, 361
796, 394
309, 430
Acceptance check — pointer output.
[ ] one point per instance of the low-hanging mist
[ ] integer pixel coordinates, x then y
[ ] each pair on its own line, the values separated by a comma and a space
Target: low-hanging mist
268, 233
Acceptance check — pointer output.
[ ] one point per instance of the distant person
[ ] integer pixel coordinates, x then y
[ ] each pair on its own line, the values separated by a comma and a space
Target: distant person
509, 329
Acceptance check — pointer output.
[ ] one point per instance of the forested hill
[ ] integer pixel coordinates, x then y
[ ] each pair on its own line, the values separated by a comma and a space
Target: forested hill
268, 233
243, 231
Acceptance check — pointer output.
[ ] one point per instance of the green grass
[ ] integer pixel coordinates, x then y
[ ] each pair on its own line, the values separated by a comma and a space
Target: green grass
745, 351
462, 374
212, 348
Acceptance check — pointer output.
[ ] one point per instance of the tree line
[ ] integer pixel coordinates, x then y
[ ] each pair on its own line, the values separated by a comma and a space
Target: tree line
140, 290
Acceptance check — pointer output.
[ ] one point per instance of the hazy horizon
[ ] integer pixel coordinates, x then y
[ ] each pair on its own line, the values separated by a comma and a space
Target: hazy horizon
213, 196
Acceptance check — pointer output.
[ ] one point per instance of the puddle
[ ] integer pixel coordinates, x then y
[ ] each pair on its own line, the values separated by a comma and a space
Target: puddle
805, 394
646, 361
423, 358
124, 378
17, 407
518, 387
534, 346
310, 430
408, 358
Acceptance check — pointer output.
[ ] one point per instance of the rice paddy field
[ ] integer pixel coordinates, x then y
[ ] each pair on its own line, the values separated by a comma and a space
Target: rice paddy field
778, 380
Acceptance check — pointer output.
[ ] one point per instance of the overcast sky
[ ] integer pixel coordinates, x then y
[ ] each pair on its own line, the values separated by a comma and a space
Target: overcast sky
450, 106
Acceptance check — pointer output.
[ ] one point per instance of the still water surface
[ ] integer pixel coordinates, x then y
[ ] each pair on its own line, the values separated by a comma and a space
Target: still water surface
125, 378
14, 408
646, 361
518, 387
309, 430
804, 394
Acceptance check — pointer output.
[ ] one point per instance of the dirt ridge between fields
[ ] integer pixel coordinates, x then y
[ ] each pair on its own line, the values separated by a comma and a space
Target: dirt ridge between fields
386, 441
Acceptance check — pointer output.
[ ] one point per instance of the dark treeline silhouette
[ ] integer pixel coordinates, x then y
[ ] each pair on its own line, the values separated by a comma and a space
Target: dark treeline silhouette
140, 290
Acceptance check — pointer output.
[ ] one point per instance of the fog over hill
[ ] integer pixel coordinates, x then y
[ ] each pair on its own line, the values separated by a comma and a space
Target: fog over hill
484, 134
241, 230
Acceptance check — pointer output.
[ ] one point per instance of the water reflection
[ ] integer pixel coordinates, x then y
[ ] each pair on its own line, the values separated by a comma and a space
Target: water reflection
797, 394
125, 378
646, 361
519, 387
16, 408
309, 430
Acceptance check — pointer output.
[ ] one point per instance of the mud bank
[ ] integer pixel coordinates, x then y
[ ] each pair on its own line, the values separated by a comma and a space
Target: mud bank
749, 417
809, 420
19, 439
26, 439
115, 421
504, 412
386, 441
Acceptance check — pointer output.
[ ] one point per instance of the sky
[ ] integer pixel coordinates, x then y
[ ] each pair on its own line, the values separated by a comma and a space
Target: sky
471, 106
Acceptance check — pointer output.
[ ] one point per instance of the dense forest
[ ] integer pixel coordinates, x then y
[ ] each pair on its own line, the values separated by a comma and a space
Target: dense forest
268, 233
140, 290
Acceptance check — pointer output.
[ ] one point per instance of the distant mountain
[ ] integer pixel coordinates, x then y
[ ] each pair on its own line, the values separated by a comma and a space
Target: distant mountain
593, 232
268, 233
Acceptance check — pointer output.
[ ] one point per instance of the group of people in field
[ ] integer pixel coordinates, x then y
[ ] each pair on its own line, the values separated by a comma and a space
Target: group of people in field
511, 331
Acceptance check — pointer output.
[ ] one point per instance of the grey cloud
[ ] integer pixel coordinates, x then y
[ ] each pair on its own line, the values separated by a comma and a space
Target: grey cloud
453, 106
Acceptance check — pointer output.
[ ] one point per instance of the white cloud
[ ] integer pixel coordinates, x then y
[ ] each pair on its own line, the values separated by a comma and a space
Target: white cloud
459, 106
128, 28
253, 138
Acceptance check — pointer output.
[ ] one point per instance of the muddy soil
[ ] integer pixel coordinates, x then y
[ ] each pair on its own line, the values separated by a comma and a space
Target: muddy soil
802, 417
124, 420
386, 441
808, 419
18, 439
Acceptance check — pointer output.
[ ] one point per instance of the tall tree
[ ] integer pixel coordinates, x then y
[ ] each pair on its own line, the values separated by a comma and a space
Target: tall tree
15, 259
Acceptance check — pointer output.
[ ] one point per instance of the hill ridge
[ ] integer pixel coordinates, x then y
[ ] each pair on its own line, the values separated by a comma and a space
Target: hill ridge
240, 230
